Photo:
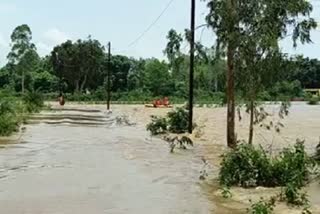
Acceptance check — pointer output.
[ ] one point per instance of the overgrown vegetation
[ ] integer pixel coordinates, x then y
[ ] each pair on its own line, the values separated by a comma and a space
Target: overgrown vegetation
262, 207
292, 194
33, 101
14, 110
176, 121
8, 120
247, 166
158, 125
313, 100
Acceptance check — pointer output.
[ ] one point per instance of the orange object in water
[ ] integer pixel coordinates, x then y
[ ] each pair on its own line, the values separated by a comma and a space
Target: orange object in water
158, 103
166, 101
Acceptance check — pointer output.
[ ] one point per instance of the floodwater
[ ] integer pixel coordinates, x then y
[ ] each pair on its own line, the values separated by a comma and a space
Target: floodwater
78, 159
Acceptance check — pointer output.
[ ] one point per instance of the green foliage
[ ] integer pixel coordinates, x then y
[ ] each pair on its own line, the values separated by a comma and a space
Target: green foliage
33, 101
23, 56
262, 207
157, 126
178, 120
248, 166
286, 90
313, 100
8, 119
293, 166
293, 196
226, 193
79, 63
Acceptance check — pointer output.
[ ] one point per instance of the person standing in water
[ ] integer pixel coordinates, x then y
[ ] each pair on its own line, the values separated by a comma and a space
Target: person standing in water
61, 99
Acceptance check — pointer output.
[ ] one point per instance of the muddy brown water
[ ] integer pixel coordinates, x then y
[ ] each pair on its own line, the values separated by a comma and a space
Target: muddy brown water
77, 159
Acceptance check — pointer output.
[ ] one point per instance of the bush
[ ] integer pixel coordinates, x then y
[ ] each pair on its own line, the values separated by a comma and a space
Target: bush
178, 120
8, 121
293, 196
33, 101
262, 207
157, 126
292, 166
248, 166
313, 100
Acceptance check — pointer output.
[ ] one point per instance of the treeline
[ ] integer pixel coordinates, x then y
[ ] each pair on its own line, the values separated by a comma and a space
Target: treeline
80, 67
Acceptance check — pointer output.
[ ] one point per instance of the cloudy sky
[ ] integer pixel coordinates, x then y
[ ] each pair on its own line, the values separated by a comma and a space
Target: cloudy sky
53, 22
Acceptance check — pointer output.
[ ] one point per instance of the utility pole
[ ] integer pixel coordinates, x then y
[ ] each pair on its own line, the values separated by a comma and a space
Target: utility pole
193, 14
109, 77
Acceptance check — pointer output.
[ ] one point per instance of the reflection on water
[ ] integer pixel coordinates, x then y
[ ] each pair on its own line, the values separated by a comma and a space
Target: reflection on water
80, 160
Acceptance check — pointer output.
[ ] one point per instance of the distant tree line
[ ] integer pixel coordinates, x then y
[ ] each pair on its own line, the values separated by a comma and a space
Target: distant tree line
79, 66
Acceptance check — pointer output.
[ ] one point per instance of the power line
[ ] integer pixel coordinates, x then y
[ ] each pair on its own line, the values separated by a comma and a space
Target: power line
151, 25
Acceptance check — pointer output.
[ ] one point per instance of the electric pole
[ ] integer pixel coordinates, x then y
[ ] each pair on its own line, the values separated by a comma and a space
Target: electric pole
193, 13
109, 77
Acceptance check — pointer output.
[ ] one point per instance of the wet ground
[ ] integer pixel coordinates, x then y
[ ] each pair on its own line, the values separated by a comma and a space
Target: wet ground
80, 160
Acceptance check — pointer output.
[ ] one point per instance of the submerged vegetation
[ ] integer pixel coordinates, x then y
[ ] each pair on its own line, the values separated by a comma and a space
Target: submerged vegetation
248, 166
14, 110
176, 122
9, 121
262, 207
292, 169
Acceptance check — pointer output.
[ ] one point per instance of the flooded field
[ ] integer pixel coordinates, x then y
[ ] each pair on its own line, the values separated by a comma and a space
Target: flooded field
78, 159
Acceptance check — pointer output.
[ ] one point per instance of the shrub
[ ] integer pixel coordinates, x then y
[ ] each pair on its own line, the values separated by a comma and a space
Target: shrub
226, 193
178, 120
157, 126
248, 166
293, 196
262, 207
313, 100
293, 166
8, 120
100, 94
33, 101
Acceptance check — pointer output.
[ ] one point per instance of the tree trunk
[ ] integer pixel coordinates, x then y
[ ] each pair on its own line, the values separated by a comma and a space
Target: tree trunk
22, 82
231, 138
77, 86
83, 83
251, 122
216, 82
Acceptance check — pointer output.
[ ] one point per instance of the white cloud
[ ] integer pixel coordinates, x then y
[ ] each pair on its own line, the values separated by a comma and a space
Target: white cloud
54, 36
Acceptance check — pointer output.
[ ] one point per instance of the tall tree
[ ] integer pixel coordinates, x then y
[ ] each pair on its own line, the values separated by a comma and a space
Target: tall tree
250, 30
23, 56
222, 18
78, 63
157, 78
175, 57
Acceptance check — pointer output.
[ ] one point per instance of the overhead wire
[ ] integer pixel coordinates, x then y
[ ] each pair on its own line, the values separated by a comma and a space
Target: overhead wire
151, 25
